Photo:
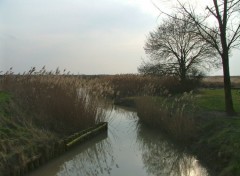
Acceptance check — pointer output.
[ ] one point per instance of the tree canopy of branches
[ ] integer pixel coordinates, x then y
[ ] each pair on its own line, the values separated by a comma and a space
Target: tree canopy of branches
154, 68
175, 49
223, 34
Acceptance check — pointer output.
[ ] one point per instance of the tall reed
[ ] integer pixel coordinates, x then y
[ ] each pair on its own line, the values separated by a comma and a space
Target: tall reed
56, 101
128, 85
174, 115
42, 106
125, 85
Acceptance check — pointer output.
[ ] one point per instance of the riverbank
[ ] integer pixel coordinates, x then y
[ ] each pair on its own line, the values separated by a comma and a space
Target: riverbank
19, 138
208, 133
39, 108
26, 146
217, 143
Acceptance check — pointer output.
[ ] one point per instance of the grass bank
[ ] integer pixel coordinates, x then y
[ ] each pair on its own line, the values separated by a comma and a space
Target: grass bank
19, 137
218, 137
218, 145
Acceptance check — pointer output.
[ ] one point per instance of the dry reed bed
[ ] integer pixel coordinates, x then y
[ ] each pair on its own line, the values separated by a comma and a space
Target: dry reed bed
61, 103
217, 81
44, 107
173, 115
128, 85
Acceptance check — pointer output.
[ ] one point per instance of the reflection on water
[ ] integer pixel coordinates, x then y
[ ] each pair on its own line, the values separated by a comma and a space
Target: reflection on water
160, 157
93, 161
129, 149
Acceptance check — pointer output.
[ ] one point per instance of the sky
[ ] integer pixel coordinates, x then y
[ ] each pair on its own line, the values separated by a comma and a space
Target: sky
83, 37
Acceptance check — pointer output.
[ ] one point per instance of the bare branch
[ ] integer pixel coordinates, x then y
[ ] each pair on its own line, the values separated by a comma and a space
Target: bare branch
176, 46
235, 37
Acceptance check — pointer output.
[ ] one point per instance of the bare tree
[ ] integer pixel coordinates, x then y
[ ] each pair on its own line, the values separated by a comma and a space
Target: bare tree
223, 34
156, 69
176, 50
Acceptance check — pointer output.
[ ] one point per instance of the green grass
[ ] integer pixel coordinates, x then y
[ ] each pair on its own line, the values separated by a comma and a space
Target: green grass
213, 100
219, 137
4, 97
17, 134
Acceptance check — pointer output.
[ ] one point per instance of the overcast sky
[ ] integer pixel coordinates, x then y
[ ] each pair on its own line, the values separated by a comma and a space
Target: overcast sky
86, 37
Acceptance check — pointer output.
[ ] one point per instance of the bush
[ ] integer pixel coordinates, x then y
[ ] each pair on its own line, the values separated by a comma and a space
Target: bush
175, 86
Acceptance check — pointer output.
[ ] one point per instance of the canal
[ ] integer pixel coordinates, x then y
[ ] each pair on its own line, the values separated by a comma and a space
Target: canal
128, 148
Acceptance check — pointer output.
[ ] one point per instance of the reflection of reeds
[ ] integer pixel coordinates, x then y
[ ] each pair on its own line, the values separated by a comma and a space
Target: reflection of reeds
173, 115
94, 160
160, 157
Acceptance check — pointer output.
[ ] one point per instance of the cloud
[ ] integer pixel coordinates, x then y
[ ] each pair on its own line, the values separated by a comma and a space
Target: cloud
91, 37
97, 36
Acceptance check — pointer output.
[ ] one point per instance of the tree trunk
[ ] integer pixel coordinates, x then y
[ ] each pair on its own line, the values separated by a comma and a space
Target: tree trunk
227, 85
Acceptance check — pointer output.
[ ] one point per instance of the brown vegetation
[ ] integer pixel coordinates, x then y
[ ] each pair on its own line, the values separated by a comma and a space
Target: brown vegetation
128, 85
57, 102
174, 115
42, 107
217, 82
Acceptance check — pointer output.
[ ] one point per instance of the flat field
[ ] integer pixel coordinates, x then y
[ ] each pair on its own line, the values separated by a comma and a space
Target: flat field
217, 81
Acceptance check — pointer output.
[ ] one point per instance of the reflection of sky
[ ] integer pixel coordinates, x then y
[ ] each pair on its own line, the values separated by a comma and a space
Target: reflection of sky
162, 158
91, 37
120, 157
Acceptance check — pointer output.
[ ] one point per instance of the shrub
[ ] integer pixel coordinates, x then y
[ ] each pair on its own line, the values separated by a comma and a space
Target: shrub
175, 86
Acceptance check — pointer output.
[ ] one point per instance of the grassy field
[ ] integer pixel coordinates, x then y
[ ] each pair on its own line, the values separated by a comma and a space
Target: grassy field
213, 100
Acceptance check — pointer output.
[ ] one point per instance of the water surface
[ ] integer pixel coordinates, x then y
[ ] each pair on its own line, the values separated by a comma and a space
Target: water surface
127, 149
